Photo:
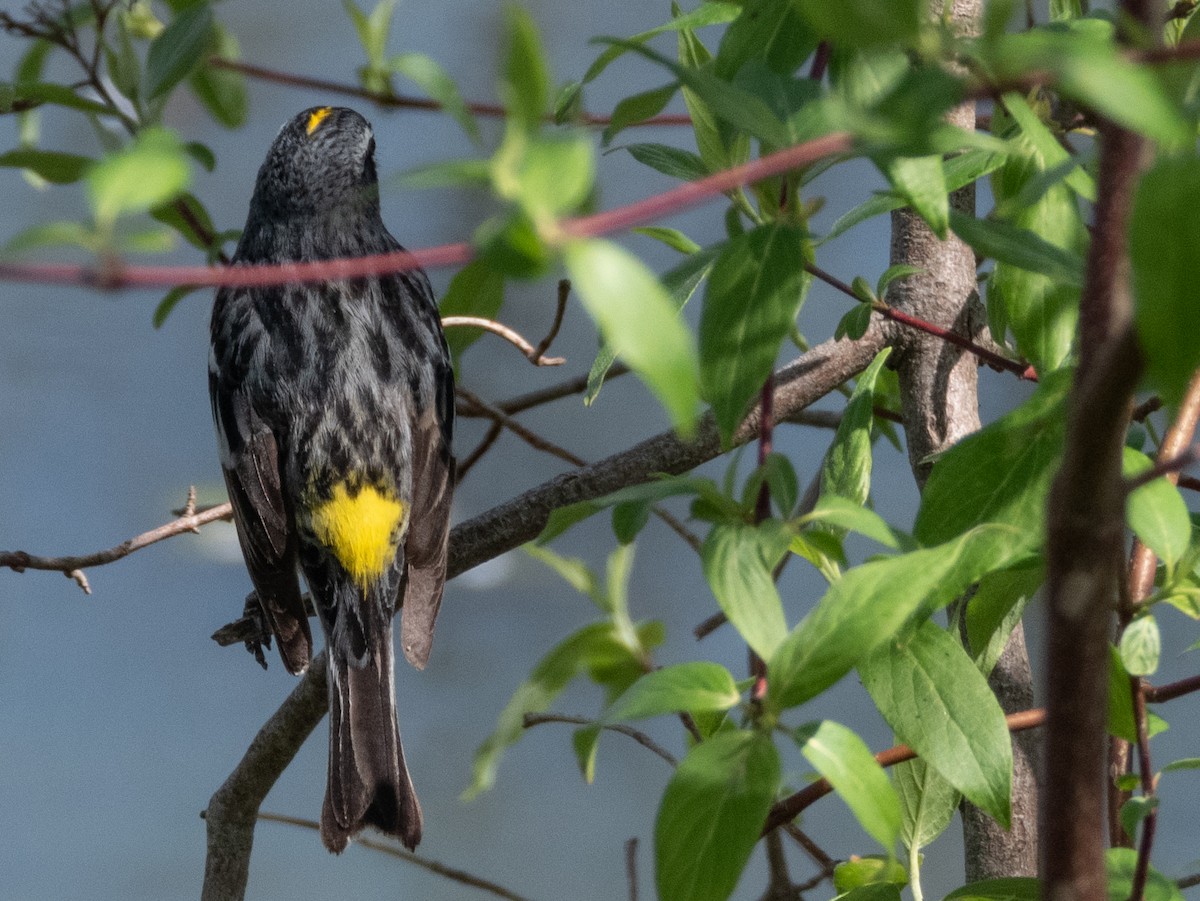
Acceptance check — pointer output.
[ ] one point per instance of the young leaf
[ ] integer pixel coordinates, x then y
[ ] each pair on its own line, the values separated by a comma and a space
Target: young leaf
940, 705
570, 657
712, 814
430, 77
1019, 247
922, 182
738, 562
846, 471
1164, 249
844, 759
1141, 646
698, 685
1134, 811
768, 30
526, 88
637, 108
927, 802
1120, 703
672, 161
175, 52
169, 302
871, 870
1156, 512
637, 319
754, 293
151, 170
846, 514
221, 91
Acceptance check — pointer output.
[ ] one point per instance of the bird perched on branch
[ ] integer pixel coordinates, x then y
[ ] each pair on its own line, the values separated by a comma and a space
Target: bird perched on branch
334, 411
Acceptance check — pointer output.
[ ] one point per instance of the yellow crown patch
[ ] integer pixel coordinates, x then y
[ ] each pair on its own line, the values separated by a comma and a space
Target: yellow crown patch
316, 117
362, 529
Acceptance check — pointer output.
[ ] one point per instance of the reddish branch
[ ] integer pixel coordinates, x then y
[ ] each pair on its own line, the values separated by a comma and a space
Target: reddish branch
115, 274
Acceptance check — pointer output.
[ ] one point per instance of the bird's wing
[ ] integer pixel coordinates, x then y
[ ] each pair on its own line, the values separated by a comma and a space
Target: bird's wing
250, 460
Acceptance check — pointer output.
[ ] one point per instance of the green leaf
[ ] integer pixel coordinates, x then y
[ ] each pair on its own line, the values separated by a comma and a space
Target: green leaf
175, 52
637, 108
712, 814
1019, 247
430, 77
1011, 888
740, 108
672, 161
754, 293
169, 213
672, 237
57, 94
738, 562
846, 514
698, 685
1156, 512
859, 872
844, 759
585, 741
940, 705
553, 175
872, 602
169, 302
1164, 249
221, 91
927, 802
1121, 864
637, 319
1120, 704
875, 891
149, 171
526, 87
771, 31
49, 234
846, 471
1048, 148
865, 23
52, 165
921, 181
708, 13
995, 608
1141, 646
1185, 763
591, 645
476, 290
681, 283
895, 273
1134, 811
1001, 473
959, 171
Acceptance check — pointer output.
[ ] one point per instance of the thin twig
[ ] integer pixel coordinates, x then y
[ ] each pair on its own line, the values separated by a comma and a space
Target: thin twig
576, 385
532, 354
564, 292
71, 566
488, 110
452, 873
493, 432
527, 435
631, 867
538, 719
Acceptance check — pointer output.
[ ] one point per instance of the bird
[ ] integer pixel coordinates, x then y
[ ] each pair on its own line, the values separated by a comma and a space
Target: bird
333, 405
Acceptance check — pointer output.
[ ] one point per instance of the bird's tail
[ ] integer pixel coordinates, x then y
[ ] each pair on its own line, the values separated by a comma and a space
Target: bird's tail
368, 784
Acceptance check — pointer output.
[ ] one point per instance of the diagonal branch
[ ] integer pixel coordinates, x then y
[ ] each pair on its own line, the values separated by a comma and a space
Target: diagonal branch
232, 812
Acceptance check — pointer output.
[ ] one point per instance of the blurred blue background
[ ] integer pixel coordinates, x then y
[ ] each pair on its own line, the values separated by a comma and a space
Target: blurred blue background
121, 717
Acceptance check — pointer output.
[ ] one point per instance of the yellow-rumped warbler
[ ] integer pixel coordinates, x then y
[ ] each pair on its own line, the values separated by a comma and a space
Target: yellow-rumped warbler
334, 409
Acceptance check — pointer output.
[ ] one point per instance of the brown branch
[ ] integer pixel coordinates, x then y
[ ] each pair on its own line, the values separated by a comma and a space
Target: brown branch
401, 101
493, 432
631, 867
539, 719
232, 812
532, 354
567, 388
564, 292
73, 566
452, 873
790, 807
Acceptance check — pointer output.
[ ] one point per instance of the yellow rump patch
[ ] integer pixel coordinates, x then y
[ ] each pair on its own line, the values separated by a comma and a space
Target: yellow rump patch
316, 117
362, 529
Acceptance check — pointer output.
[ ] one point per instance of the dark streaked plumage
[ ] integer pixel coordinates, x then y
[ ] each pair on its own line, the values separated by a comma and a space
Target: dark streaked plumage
334, 410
